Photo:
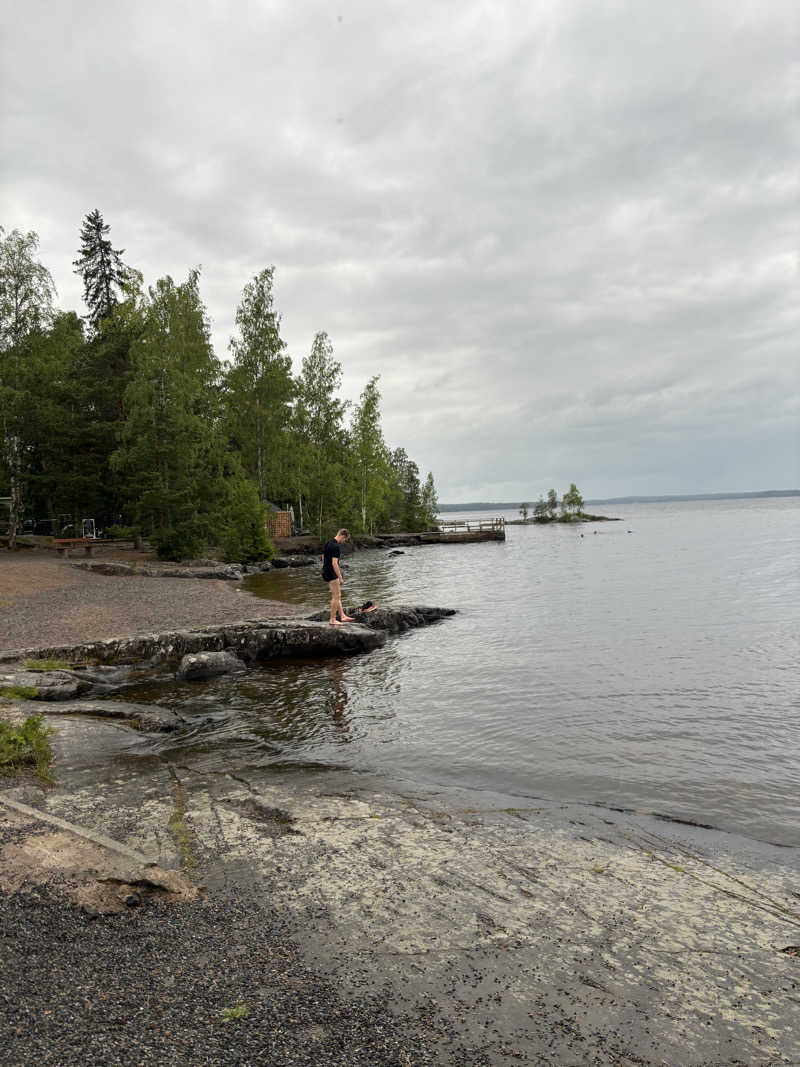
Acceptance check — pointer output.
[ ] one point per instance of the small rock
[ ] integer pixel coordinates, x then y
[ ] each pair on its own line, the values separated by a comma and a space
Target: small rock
200, 665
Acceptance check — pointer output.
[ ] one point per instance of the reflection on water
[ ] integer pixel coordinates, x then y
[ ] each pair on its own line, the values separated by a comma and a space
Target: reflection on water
651, 669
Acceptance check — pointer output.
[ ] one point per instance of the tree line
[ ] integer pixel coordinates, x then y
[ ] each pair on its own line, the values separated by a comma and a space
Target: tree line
127, 415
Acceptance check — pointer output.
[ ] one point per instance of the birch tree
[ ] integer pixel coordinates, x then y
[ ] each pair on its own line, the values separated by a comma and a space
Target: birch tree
26, 308
259, 390
320, 437
370, 455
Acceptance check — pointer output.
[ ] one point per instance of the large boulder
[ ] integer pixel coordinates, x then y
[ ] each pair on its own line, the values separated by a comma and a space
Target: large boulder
294, 561
200, 665
260, 567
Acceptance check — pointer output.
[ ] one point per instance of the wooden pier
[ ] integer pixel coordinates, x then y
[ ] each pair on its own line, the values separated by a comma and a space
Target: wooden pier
474, 526
447, 533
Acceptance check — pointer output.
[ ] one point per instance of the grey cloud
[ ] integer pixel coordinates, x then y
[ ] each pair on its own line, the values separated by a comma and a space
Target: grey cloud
563, 234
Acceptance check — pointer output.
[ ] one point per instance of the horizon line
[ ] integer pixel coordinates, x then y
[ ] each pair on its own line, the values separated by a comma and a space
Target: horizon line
633, 498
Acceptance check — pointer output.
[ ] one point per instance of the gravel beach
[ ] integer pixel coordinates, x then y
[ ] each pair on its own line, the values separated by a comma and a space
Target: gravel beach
153, 986
45, 601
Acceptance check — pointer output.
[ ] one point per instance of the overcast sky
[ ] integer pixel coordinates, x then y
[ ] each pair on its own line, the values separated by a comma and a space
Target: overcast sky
563, 232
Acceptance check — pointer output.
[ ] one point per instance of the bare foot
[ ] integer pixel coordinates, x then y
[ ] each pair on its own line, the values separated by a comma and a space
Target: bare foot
347, 618
335, 622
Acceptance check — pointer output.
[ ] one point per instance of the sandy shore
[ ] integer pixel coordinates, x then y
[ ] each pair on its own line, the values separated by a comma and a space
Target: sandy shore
45, 601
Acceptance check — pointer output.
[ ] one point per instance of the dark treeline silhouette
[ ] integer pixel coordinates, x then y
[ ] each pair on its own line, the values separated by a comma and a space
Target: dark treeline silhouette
128, 416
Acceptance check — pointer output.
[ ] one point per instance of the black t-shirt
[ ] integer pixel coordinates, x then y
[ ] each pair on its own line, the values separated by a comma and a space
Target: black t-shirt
331, 551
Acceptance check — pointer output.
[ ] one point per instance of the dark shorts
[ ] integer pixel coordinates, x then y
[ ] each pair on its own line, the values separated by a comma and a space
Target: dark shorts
328, 577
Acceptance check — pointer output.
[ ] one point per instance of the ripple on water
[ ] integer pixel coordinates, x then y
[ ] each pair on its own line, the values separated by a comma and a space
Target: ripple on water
654, 672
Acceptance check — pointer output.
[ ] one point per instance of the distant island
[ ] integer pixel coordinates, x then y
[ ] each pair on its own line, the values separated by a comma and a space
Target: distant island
489, 506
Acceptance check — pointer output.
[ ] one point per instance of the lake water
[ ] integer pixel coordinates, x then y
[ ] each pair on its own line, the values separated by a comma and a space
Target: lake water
650, 665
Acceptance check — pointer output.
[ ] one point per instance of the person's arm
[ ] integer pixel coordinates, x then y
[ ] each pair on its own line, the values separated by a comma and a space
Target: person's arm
336, 567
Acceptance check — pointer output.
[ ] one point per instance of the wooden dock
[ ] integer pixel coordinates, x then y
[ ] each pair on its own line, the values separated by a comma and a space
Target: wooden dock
456, 532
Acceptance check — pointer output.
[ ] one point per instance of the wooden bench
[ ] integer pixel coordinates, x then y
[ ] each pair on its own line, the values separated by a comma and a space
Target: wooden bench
64, 544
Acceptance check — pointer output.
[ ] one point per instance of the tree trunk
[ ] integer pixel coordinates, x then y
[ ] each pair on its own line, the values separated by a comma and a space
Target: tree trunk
13, 517
13, 469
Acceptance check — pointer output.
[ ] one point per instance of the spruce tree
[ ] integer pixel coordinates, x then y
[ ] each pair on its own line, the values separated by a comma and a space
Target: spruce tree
100, 267
170, 444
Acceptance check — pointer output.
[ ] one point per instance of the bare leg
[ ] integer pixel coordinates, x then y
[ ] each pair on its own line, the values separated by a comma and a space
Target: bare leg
335, 602
342, 616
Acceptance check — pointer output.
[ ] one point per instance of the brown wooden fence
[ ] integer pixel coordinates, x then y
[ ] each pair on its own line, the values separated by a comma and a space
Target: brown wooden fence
279, 524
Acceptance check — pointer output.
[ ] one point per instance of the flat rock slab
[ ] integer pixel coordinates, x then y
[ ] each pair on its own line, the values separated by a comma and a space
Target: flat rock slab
45, 685
393, 620
147, 717
542, 937
255, 639
101, 880
252, 640
230, 572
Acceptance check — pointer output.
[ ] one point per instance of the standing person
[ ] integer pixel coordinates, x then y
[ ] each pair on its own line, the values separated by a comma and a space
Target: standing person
332, 574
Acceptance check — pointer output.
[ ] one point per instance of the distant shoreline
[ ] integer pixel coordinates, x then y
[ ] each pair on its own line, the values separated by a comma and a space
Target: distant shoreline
489, 506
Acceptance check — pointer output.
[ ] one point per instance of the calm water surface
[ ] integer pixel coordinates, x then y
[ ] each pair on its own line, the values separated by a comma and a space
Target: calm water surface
650, 665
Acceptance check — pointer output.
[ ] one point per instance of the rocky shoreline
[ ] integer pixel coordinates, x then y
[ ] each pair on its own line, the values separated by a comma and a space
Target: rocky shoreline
158, 909
103, 668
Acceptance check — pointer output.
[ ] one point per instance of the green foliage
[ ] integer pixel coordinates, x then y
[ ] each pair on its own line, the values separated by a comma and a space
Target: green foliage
26, 309
230, 1015
171, 450
369, 458
319, 447
26, 288
134, 422
430, 502
523, 510
46, 665
100, 267
19, 692
541, 509
123, 533
244, 536
184, 541
26, 745
572, 501
552, 503
259, 391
